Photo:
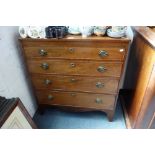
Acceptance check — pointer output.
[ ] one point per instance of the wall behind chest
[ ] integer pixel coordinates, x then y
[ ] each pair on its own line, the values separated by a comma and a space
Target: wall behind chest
14, 81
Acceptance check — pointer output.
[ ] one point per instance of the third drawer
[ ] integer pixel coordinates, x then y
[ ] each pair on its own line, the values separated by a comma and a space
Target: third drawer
76, 83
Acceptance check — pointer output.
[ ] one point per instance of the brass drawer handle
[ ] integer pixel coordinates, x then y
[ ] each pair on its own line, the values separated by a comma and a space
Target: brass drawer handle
42, 52
72, 65
73, 94
47, 82
44, 66
103, 53
101, 69
50, 97
99, 85
98, 100
71, 50
73, 80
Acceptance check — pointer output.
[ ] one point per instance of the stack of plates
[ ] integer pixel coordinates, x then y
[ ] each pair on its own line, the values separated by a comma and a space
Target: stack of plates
115, 34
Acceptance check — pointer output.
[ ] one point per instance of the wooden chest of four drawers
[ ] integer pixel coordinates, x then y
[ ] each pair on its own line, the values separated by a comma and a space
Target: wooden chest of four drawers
76, 72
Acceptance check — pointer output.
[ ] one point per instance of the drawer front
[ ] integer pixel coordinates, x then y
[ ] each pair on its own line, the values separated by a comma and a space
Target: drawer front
105, 53
76, 83
73, 67
85, 100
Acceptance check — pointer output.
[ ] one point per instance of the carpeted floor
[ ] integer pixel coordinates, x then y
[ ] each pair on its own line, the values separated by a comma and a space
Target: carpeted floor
60, 119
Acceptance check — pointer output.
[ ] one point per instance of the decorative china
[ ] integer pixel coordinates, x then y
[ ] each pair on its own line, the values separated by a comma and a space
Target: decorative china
118, 28
100, 30
74, 30
86, 31
116, 34
32, 31
56, 31
23, 31
40, 31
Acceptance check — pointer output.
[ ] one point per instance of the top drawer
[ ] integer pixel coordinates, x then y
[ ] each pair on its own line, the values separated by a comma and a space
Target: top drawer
89, 53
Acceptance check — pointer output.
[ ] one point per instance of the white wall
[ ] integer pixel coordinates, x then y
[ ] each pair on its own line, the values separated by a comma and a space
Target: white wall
13, 79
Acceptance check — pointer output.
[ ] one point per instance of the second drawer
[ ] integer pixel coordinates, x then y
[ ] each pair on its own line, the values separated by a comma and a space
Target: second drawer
76, 83
73, 67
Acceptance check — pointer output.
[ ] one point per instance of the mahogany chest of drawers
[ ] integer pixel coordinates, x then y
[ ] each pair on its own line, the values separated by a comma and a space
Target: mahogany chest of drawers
76, 72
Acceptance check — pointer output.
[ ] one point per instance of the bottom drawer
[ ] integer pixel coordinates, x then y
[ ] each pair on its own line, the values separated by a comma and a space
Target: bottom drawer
85, 100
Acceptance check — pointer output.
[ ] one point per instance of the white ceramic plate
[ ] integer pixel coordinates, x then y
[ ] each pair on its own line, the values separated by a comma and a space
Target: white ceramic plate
119, 34
74, 32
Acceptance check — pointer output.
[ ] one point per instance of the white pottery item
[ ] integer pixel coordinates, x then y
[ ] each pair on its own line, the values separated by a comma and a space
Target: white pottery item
33, 32
86, 31
23, 30
41, 32
75, 30
100, 30
117, 34
118, 28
